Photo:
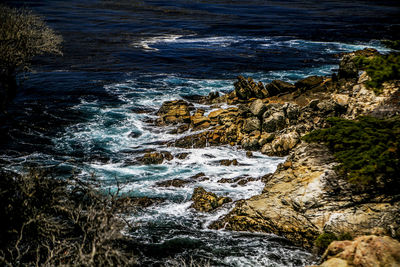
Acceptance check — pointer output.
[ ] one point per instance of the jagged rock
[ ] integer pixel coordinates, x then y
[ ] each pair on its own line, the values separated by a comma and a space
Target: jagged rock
258, 107
309, 82
275, 121
365, 251
213, 95
246, 89
251, 124
200, 122
307, 197
277, 87
206, 201
347, 67
173, 183
155, 157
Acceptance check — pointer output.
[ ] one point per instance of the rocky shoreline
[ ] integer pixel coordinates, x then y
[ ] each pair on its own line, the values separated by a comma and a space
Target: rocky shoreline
306, 196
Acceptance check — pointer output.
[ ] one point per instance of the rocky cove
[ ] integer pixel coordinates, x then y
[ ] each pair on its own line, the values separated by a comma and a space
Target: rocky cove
306, 196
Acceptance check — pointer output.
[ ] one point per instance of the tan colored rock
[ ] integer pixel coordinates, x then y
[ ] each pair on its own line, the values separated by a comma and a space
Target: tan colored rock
206, 201
341, 99
335, 262
307, 198
365, 251
173, 112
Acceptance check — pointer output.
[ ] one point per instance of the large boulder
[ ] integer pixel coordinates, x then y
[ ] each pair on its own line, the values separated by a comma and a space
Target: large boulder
368, 251
206, 201
173, 112
309, 82
282, 144
258, 107
277, 87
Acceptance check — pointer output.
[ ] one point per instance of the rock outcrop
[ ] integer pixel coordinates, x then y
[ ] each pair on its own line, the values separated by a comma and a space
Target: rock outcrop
365, 251
306, 197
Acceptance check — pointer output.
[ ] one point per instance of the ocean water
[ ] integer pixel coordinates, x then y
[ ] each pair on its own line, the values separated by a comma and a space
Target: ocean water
77, 114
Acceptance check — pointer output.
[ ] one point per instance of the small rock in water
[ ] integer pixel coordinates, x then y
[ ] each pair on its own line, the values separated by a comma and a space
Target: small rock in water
173, 182
206, 201
228, 162
135, 134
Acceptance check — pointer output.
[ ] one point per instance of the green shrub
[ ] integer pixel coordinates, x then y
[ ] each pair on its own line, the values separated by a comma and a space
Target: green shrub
380, 69
393, 44
325, 239
368, 150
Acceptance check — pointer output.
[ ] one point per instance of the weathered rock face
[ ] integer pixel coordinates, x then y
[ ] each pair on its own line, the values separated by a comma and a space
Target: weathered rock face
206, 201
173, 112
306, 197
368, 251
363, 101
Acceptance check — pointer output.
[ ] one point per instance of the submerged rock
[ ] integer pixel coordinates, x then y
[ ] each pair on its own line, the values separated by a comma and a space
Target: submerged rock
206, 201
173, 183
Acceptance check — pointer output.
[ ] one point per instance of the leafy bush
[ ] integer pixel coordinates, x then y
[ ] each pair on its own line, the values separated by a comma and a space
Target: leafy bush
24, 35
368, 150
52, 222
380, 69
325, 239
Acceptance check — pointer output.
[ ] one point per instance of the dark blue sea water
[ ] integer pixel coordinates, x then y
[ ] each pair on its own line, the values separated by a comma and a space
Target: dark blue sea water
75, 113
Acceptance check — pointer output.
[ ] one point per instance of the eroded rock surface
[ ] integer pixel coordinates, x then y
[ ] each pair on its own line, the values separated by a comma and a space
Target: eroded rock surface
365, 251
306, 197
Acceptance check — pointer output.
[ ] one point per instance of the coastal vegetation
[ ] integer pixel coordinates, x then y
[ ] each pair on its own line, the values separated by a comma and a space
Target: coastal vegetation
323, 240
380, 68
51, 222
368, 150
23, 35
